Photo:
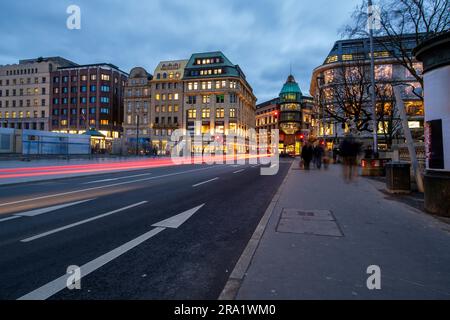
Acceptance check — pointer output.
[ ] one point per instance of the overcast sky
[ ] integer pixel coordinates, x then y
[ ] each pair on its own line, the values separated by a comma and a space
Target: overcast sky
263, 36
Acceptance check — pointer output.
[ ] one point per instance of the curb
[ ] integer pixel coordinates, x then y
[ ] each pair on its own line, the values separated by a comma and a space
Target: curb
236, 278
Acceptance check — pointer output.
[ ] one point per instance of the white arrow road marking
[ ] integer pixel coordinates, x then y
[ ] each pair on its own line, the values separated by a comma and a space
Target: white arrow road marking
120, 178
76, 224
205, 182
60, 284
38, 212
176, 221
239, 171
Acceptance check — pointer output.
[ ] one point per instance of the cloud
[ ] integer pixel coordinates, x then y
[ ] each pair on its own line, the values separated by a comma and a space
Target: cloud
264, 37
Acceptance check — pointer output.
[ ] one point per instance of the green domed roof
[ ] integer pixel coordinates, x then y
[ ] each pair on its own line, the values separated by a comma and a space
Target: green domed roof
291, 86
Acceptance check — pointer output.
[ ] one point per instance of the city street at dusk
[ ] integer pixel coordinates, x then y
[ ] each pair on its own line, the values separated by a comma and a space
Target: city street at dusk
224, 159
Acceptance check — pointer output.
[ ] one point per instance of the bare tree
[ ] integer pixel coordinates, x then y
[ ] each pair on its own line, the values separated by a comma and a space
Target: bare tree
345, 95
420, 19
387, 113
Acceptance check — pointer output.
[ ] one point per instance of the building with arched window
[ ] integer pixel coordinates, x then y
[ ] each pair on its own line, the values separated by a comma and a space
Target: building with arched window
290, 113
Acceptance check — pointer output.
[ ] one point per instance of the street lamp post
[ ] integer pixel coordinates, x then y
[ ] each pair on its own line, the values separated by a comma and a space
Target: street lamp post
372, 79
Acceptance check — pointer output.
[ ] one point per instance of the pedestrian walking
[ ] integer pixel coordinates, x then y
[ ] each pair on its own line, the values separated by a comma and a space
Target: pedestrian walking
350, 150
318, 154
307, 155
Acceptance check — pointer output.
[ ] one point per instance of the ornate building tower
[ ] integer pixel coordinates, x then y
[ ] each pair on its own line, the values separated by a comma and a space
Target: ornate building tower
290, 101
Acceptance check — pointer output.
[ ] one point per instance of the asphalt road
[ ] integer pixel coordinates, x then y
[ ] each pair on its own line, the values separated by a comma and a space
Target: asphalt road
115, 227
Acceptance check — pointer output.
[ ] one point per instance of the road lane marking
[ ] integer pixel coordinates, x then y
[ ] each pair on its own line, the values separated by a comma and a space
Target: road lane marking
106, 186
76, 224
176, 221
60, 283
37, 212
239, 171
204, 182
9, 218
119, 178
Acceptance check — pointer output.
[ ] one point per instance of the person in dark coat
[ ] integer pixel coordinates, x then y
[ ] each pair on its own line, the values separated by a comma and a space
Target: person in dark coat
307, 155
318, 155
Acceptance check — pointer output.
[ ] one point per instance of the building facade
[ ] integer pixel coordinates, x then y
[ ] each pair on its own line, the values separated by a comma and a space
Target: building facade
290, 113
25, 92
341, 88
137, 102
87, 97
167, 103
217, 97
206, 94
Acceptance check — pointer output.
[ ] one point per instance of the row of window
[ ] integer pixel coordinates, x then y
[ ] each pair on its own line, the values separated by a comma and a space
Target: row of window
168, 108
73, 122
21, 115
170, 75
83, 100
206, 61
208, 85
22, 81
23, 103
206, 113
206, 72
169, 97
92, 88
92, 110
21, 71
93, 77
220, 98
23, 92
26, 125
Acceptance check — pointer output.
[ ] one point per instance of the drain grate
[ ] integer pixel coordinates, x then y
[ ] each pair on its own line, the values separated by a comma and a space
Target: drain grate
309, 222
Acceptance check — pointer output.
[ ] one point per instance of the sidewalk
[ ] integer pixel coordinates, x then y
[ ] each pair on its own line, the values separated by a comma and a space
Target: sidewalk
307, 255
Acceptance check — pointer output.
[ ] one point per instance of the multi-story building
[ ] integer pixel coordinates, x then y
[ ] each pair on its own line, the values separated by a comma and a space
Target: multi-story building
343, 83
290, 113
137, 102
206, 92
87, 97
217, 97
25, 92
167, 102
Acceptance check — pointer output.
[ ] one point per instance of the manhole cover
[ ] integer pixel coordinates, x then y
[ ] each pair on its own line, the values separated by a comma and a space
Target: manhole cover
311, 222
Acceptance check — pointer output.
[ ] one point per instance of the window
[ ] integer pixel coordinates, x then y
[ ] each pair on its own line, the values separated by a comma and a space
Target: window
232, 113
105, 77
176, 108
220, 98
84, 78
192, 114
93, 88
105, 88
233, 98
192, 99
104, 99
383, 72
93, 77
176, 97
92, 99
158, 97
83, 88
220, 113
206, 99
104, 122
206, 113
